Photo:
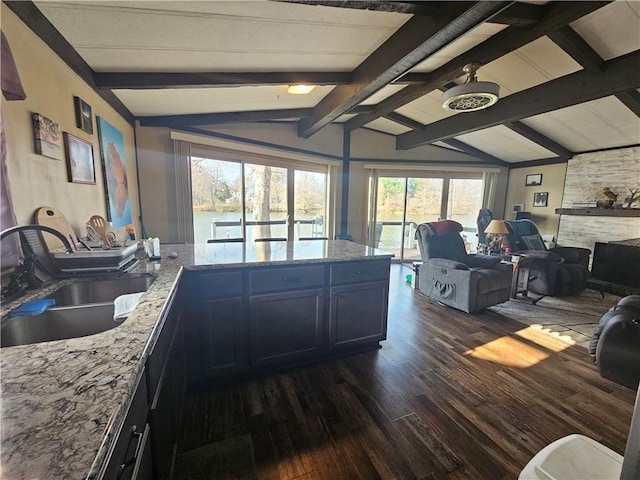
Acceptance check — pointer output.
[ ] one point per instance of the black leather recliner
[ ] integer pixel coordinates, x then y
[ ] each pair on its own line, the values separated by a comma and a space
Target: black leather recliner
555, 272
615, 345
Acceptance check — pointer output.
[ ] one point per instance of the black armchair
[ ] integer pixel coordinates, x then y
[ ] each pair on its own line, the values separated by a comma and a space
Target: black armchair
555, 272
451, 276
484, 219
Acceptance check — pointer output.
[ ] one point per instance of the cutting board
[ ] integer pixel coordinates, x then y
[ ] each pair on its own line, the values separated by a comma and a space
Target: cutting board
52, 217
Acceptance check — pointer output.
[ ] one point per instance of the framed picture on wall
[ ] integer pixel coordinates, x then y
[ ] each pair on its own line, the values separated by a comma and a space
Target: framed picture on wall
518, 207
80, 166
540, 199
534, 179
47, 138
114, 168
84, 117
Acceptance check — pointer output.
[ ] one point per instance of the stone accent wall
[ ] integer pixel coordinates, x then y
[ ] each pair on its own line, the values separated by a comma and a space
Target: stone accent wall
587, 175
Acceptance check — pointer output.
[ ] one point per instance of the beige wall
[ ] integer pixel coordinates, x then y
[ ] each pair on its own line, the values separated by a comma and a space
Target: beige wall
552, 181
50, 85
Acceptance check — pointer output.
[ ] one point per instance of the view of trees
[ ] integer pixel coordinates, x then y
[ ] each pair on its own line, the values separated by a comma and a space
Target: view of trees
217, 188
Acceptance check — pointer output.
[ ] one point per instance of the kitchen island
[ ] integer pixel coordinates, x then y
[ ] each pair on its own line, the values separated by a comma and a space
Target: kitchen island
64, 402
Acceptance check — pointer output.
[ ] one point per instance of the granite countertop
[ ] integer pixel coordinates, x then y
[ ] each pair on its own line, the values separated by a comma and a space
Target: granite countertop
63, 401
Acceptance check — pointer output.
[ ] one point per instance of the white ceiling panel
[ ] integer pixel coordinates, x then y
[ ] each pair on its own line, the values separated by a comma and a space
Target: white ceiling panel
505, 144
613, 30
427, 109
529, 66
602, 123
476, 36
387, 126
222, 36
216, 100
382, 94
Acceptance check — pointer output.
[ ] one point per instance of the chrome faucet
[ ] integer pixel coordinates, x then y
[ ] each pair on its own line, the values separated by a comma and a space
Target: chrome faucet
26, 273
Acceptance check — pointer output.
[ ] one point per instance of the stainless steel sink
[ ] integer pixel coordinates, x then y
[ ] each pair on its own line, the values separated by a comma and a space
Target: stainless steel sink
58, 324
99, 291
82, 308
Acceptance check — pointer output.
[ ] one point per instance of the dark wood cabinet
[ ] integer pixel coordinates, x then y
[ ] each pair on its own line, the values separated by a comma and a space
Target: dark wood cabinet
359, 304
358, 314
286, 327
217, 337
166, 387
165, 412
248, 319
216, 326
129, 457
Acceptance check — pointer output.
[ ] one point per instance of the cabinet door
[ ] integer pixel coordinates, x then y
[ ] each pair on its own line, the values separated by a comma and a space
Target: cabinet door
358, 314
127, 453
166, 409
216, 339
286, 326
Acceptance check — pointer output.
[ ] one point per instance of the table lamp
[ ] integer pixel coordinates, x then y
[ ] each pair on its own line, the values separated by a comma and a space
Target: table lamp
497, 229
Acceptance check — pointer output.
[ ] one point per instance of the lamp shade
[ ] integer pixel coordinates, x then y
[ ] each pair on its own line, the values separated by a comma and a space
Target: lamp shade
496, 226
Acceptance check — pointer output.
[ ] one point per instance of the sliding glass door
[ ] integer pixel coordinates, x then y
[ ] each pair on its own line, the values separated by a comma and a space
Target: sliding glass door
250, 201
402, 202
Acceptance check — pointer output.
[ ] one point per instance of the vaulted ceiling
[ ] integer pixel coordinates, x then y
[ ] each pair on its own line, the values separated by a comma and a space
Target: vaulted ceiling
568, 71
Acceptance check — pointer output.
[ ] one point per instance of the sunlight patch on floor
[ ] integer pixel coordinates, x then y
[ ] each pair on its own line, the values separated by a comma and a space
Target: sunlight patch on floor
508, 351
547, 338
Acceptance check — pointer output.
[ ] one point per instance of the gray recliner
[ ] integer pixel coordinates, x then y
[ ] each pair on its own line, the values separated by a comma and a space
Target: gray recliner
450, 276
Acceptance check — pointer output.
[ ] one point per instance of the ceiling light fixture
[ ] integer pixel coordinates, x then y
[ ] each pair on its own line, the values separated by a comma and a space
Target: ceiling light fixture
300, 89
471, 95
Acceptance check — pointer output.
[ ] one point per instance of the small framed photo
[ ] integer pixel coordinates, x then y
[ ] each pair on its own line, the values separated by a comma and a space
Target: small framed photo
84, 118
534, 179
80, 166
46, 137
540, 199
518, 207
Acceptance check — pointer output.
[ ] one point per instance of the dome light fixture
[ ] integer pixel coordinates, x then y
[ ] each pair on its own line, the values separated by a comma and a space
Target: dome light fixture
300, 89
471, 95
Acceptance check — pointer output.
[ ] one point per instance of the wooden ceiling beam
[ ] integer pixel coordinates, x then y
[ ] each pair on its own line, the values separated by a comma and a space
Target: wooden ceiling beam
416, 40
456, 144
523, 14
558, 14
466, 148
406, 121
195, 119
413, 8
578, 49
620, 75
631, 99
162, 80
574, 45
537, 137
33, 18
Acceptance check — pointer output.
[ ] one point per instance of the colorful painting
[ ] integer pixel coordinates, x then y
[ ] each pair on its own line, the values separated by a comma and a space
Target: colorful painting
47, 137
114, 168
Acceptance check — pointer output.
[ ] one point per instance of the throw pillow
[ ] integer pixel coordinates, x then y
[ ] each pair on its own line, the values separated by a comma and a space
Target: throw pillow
534, 242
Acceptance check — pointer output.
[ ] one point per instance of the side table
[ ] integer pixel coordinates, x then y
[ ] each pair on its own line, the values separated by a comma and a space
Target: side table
520, 265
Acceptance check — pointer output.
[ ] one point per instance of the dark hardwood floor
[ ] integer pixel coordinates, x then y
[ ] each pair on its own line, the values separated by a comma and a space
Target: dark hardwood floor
449, 395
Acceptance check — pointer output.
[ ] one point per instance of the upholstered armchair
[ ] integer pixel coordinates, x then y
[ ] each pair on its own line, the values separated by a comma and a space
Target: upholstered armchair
451, 276
555, 272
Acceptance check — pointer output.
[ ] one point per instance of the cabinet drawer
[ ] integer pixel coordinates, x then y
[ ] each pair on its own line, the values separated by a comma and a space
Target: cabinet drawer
219, 284
359, 272
282, 279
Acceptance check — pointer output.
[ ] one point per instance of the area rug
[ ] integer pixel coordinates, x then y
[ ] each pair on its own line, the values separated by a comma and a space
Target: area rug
230, 459
575, 317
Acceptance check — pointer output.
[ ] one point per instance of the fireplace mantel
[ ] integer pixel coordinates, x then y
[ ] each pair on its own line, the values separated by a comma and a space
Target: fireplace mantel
600, 212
